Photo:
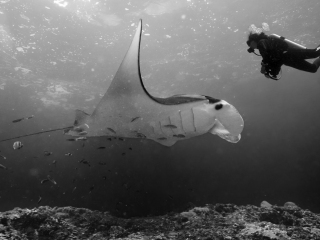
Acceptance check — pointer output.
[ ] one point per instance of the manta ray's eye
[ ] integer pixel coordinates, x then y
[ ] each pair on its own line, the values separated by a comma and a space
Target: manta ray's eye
218, 106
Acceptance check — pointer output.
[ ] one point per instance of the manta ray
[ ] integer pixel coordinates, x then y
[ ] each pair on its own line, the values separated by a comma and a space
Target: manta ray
128, 110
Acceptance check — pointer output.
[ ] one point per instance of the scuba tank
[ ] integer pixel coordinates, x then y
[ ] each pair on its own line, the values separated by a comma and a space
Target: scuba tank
291, 44
265, 28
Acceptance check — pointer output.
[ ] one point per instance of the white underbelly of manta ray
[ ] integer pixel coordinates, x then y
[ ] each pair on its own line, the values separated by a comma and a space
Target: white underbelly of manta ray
128, 110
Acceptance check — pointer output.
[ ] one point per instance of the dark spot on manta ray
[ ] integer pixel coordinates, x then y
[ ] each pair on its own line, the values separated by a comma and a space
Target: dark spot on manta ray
162, 138
141, 135
111, 130
170, 126
179, 135
134, 119
218, 106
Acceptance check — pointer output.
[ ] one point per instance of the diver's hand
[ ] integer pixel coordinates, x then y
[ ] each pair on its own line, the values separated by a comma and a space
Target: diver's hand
263, 68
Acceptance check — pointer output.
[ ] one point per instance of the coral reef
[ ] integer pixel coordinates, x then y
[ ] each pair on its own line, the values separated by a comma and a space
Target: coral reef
211, 222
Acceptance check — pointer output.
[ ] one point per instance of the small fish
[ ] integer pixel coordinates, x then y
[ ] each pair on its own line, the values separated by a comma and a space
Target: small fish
121, 139
21, 119
18, 120
130, 148
74, 189
47, 153
110, 139
27, 118
162, 138
104, 177
3, 167
134, 119
111, 130
81, 139
3, 156
101, 147
71, 139
170, 126
68, 154
44, 181
85, 162
17, 145
91, 188
51, 179
102, 163
40, 198
54, 162
179, 136
83, 133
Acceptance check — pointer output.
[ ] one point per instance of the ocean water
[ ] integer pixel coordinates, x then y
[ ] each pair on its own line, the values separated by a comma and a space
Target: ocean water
58, 56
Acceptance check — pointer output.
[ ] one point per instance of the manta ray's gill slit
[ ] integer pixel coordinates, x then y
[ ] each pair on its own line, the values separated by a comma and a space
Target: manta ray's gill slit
181, 122
170, 124
161, 128
193, 120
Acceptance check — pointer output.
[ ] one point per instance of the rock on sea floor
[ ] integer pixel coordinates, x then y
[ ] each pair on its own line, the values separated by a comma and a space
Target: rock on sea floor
219, 221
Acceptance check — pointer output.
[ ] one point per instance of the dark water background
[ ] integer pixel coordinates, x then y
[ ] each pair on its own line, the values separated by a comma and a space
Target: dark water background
55, 59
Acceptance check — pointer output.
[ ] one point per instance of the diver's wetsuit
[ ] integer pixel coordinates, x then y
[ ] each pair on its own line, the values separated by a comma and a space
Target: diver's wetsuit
275, 52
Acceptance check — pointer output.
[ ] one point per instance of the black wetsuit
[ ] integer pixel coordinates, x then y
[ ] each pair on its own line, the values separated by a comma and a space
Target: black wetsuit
276, 52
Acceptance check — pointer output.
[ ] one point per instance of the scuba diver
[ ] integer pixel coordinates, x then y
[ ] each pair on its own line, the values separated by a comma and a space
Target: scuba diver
276, 51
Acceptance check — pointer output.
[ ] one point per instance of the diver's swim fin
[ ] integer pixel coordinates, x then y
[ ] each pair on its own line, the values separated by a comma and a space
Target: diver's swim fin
317, 62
